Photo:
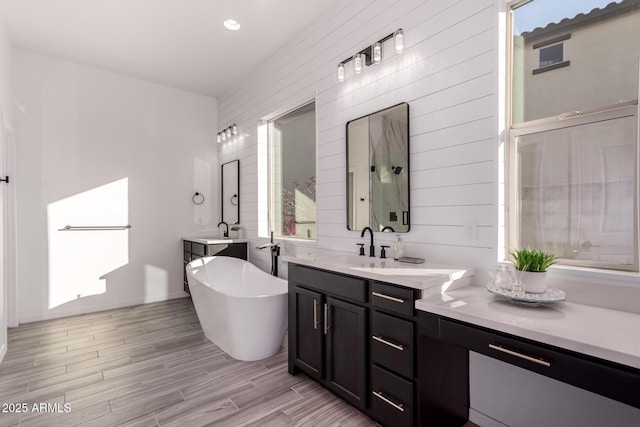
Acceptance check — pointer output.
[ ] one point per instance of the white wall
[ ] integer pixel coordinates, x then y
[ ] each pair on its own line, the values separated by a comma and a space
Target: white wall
447, 75
6, 113
450, 74
98, 148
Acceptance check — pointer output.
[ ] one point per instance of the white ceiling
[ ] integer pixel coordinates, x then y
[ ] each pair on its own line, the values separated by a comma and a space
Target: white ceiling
180, 43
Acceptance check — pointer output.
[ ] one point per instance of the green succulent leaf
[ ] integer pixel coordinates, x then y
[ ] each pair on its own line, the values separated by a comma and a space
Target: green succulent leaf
530, 259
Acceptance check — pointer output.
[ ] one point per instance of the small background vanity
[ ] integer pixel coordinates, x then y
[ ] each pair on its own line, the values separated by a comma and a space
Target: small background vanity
195, 247
397, 345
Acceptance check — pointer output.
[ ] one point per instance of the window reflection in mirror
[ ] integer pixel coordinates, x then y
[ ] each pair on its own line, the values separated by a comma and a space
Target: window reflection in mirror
230, 197
378, 171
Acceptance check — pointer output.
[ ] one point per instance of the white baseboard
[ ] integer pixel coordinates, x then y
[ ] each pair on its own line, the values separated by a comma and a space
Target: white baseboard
98, 307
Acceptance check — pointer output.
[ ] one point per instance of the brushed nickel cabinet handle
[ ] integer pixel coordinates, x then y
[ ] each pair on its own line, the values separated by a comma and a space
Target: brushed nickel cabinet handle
379, 395
326, 319
390, 344
315, 314
394, 299
520, 355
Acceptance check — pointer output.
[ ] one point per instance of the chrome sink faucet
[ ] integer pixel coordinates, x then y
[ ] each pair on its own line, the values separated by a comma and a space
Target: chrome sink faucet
226, 231
372, 248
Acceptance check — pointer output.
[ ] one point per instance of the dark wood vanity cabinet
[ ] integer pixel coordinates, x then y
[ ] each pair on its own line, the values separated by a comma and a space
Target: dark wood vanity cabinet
357, 337
444, 345
393, 355
364, 340
328, 331
195, 250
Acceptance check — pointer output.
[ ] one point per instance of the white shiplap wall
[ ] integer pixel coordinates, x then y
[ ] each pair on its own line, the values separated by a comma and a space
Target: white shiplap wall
447, 74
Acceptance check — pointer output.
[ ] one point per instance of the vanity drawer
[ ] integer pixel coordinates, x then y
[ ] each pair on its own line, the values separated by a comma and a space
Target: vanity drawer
599, 376
392, 298
391, 398
337, 284
392, 343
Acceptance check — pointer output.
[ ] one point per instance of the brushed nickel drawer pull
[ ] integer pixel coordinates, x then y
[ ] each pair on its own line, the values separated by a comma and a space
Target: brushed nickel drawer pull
326, 319
384, 399
520, 355
394, 299
390, 344
315, 314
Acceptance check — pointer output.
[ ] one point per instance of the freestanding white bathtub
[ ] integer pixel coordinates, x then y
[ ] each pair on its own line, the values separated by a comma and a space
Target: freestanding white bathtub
242, 309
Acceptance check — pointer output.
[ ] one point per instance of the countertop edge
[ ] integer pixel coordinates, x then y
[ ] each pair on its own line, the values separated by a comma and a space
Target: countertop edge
213, 240
548, 338
414, 283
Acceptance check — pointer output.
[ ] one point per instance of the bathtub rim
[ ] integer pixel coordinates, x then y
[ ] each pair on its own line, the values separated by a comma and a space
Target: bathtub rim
191, 274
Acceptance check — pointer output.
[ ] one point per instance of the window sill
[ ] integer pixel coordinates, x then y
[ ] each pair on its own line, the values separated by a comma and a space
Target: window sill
597, 275
616, 290
551, 67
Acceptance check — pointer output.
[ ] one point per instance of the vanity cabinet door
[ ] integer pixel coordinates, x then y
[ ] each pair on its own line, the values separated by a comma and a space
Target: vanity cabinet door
346, 346
306, 326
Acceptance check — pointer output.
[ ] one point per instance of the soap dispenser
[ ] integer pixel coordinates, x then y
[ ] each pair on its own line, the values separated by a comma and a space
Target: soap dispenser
398, 248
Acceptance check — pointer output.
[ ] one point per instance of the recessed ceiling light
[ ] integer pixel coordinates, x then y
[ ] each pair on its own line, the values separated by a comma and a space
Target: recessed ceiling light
232, 24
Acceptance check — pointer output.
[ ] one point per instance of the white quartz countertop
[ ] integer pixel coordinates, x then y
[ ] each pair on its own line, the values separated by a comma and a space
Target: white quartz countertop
417, 276
213, 240
604, 333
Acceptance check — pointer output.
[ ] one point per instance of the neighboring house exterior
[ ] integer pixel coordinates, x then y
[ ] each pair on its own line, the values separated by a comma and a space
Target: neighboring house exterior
594, 50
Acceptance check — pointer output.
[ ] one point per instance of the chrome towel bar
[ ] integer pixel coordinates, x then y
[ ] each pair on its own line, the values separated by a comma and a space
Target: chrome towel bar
95, 227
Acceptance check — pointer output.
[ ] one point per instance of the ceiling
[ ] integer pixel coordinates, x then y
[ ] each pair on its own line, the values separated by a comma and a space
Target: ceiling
179, 43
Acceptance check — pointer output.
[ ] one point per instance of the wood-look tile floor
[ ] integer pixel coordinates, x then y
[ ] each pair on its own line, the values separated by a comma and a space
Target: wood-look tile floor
150, 365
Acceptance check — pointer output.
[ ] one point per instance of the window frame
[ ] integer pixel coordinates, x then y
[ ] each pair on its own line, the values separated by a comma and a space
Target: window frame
270, 184
565, 120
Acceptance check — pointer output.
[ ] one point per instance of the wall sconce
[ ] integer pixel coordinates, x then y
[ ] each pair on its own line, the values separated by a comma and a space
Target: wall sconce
372, 54
398, 40
227, 133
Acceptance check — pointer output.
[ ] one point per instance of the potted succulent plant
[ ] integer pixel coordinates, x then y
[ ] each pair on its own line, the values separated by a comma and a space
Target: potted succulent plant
234, 231
532, 263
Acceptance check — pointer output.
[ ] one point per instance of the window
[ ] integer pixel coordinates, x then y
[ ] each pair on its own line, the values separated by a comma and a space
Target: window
551, 55
573, 138
292, 173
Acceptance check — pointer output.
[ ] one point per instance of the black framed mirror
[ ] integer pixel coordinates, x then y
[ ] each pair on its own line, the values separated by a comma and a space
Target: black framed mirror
230, 195
378, 170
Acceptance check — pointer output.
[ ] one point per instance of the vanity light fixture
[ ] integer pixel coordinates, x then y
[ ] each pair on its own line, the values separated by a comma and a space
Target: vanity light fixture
357, 63
372, 54
376, 52
398, 40
227, 133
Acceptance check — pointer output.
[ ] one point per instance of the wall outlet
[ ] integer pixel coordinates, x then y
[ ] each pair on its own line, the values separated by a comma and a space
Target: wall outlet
470, 229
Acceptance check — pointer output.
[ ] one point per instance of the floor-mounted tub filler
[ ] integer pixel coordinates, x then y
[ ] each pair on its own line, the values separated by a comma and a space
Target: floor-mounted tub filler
241, 309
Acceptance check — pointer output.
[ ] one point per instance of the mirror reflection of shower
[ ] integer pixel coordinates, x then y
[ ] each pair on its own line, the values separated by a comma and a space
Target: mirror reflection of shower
378, 170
